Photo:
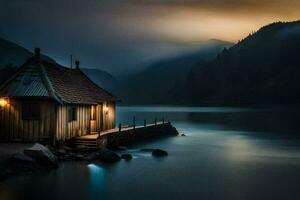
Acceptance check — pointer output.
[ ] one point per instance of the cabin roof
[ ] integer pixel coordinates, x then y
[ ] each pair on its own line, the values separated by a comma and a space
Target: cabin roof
40, 78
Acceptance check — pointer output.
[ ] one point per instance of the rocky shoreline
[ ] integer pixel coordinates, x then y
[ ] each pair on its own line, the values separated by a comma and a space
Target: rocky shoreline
51, 157
39, 157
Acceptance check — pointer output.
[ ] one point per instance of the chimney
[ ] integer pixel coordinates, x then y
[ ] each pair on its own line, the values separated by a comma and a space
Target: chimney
37, 52
77, 64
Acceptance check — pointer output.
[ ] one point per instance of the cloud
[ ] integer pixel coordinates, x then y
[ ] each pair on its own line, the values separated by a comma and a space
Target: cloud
266, 5
119, 35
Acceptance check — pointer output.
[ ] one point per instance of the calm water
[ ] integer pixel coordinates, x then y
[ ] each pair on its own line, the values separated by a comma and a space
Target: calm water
229, 153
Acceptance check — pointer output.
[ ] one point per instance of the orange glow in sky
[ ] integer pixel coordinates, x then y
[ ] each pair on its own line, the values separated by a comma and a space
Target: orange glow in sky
198, 23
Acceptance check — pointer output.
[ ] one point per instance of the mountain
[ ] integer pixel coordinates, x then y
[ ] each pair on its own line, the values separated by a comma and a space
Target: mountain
264, 68
14, 54
11, 57
101, 78
163, 82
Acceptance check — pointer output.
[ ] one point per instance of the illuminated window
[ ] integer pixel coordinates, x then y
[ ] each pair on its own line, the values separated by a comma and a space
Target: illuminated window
30, 111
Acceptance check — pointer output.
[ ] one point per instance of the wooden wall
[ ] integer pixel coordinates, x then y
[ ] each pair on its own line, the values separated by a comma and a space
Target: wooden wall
110, 116
13, 128
54, 121
97, 124
67, 129
105, 119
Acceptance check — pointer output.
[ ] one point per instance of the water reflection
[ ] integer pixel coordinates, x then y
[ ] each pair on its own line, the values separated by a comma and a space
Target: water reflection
279, 120
97, 180
283, 121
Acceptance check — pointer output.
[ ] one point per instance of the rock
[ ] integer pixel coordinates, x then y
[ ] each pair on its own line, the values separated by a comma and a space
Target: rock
61, 158
62, 151
29, 168
42, 154
126, 156
79, 157
66, 148
159, 153
24, 158
147, 150
3, 175
93, 156
122, 148
80, 147
65, 157
10, 172
108, 156
183, 134
89, 158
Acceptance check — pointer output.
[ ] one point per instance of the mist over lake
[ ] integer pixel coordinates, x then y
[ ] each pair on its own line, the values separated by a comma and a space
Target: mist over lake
228, 153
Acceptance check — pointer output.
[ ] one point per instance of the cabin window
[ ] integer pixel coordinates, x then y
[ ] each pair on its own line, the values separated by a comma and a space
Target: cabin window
72, 114
31, 111
93, 112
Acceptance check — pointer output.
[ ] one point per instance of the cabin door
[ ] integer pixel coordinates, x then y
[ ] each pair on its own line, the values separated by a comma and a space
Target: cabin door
93, 119
96, 118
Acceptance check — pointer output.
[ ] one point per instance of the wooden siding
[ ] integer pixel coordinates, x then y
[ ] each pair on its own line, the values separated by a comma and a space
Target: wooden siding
105, 119
66, 128
109, 119
54, 121
14, 128
83, 125
97, 124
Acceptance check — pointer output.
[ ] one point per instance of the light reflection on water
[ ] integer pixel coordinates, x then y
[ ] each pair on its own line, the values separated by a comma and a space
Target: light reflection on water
97, 183
232, 154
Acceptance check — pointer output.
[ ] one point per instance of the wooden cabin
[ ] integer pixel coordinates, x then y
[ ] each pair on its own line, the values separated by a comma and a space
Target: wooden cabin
47, 101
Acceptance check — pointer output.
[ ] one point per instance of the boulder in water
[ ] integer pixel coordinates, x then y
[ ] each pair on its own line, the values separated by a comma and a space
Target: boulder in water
159, 153
62, 151
147, 150
122, 148
108, 156
23, 158
79, 157
126, 156
42, 154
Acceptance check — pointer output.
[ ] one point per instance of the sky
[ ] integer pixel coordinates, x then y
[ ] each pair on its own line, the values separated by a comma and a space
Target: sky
122, 36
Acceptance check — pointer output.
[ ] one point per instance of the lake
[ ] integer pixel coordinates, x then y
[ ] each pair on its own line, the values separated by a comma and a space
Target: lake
228, 153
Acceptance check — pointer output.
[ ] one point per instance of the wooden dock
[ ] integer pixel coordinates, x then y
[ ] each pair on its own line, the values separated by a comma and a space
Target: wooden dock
124, 135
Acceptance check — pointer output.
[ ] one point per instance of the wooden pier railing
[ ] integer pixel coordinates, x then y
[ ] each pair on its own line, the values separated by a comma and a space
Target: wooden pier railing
124, 135
133, 134
121, 126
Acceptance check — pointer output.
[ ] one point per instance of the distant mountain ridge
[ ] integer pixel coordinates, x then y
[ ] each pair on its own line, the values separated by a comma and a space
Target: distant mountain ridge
101, 78
264, 68
13, 56
163, 81
11, 53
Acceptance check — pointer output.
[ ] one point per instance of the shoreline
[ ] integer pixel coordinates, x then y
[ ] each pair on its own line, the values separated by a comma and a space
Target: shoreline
13, 161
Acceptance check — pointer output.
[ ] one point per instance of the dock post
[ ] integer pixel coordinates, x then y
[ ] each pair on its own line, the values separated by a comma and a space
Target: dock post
155, 121
133, 122
120, 127
145, 123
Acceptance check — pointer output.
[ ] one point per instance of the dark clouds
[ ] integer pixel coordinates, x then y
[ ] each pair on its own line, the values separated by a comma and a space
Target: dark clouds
119, 35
